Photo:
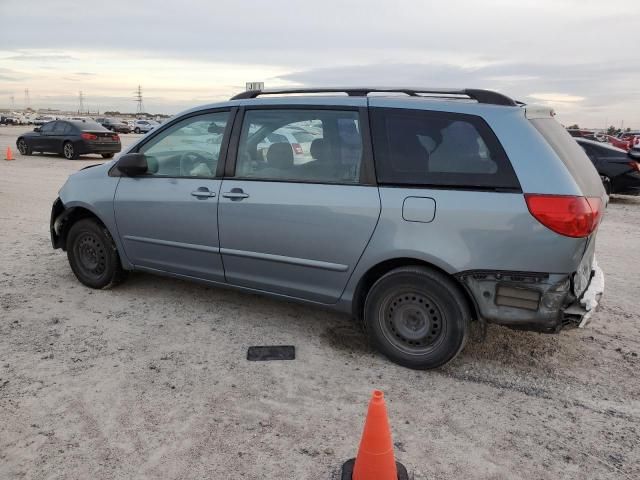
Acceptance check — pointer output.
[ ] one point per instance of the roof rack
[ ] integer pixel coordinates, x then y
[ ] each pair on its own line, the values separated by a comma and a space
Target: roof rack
481, 96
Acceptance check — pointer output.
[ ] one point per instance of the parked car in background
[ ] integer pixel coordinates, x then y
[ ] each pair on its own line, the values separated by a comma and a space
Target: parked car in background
411, 215
619, 169
113, 125
70, 138
634, 147
622, 144
41, 120
144, 126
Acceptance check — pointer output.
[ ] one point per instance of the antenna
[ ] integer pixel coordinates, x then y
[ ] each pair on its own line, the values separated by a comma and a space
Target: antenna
80, 102
138, 98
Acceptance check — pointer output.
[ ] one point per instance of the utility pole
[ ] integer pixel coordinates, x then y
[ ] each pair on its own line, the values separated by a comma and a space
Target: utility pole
80, 102
138, 98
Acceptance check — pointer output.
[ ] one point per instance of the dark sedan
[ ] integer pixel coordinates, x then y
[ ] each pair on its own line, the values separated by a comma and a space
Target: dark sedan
620, 170
70, 138
114, 125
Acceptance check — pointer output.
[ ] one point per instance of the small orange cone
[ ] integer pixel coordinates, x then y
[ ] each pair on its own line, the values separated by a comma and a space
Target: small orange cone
9, 154
375, 460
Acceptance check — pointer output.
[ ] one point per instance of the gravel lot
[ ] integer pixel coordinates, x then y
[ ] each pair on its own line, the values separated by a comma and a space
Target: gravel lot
149, 380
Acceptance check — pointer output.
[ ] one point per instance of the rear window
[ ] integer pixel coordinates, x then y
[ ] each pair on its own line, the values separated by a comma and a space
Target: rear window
88, 125
417, 147
571, 154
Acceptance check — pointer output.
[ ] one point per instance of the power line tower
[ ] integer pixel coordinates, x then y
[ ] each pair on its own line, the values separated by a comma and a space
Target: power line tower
13, 102
80, 102
138, 98
27, 99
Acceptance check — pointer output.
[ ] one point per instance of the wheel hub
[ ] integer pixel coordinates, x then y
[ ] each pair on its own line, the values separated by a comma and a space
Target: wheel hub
412, 321
91, 255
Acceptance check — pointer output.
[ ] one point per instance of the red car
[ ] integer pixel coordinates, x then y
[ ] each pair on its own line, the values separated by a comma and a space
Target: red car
624, 144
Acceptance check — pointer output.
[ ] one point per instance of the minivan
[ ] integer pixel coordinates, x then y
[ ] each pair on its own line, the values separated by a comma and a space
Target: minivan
418, 211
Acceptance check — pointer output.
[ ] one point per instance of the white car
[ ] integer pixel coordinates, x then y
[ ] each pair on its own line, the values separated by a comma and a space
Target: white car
299, 138
144, 126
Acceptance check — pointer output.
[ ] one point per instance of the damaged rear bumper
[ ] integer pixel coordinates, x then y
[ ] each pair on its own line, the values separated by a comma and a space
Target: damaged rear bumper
534, 301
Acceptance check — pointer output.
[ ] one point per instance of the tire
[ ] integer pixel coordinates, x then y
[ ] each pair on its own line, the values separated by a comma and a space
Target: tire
22, 147
137, 130
93, 255
68, 151
417, 317
107, 155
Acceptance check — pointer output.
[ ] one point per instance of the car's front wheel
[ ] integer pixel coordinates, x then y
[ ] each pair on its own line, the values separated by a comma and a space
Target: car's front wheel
417, 317
137, 130
93, 255
69, 151
23, 147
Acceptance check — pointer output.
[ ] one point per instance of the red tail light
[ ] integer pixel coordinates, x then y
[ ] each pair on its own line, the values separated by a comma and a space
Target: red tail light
635, 166
567, 215
297, 148
115, 138
89, 136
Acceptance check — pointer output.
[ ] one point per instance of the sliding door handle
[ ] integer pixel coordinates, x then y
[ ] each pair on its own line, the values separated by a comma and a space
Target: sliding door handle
235, 194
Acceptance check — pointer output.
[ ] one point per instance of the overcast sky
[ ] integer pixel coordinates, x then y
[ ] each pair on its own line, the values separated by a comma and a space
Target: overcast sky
580, 56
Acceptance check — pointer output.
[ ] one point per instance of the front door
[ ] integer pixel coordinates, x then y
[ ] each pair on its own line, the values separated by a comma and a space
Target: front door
294, 219
167, 219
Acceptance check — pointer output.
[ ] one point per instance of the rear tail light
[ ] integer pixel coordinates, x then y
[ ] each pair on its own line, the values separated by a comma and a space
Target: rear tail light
89, 136
570, 216
115, 138
635, 166
297, 148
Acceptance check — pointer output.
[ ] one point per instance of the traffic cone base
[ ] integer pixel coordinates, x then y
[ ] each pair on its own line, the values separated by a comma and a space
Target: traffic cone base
347, 470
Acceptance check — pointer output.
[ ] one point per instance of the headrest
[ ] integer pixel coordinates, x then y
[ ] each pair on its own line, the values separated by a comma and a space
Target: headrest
280, 155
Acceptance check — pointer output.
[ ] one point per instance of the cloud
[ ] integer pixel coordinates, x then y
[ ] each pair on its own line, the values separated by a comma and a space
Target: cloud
556, 97
39, 57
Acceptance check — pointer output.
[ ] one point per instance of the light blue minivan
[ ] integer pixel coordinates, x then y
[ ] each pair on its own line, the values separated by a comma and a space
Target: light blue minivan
415, 210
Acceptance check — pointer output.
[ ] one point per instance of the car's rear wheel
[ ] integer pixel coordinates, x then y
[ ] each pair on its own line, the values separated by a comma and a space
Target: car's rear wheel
107, 155
417, 317
137, 130
23, 148
69, 151
93, 255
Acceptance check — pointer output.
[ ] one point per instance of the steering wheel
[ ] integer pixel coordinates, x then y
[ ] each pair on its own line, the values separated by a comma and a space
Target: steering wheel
189, 161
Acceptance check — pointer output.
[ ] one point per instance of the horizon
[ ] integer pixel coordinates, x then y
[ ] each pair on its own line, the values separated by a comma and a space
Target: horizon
198, 53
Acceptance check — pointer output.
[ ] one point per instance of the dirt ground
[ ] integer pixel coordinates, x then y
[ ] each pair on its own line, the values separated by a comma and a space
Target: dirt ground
149, 380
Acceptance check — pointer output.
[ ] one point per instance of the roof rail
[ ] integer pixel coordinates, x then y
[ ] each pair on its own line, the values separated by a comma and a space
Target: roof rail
481, 96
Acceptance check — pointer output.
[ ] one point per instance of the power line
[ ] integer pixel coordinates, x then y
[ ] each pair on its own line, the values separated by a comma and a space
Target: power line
138, 98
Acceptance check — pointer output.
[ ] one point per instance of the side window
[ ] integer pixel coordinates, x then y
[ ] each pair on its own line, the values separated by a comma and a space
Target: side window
416, 147
60, 128
48, 127
189, 148
321, 146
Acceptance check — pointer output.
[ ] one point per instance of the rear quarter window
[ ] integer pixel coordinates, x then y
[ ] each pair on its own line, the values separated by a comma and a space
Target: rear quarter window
441, 149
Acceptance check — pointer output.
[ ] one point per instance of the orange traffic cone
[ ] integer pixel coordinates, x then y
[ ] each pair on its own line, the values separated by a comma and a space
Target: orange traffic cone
9, 155
375, 460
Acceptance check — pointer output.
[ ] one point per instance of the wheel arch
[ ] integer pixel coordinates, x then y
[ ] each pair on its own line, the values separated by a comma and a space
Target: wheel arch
380, 269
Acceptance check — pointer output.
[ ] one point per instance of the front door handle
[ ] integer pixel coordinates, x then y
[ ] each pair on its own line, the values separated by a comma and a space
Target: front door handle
235, 194
203, 192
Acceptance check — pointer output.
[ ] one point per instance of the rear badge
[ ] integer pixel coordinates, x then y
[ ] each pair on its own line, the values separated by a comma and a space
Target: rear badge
275, 352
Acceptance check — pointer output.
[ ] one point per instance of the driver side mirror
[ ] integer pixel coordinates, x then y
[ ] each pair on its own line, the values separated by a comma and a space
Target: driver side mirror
37, 129
133, 164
